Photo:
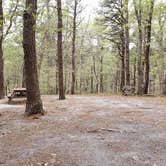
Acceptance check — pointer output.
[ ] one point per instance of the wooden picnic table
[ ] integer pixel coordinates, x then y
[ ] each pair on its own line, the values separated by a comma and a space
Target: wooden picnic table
17, 93
128, 90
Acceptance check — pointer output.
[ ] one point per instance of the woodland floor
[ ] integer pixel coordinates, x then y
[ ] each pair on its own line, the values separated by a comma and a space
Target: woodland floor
85, 131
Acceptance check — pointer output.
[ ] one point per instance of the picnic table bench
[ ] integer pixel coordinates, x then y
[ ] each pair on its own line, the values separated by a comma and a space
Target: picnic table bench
17, 93
128, 90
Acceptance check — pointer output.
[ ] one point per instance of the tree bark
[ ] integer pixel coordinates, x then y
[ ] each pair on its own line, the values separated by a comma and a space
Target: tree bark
148, 28
127, 53
34, 104
57, 75
23, 77
91, 81
57, 79
135, 70
81, 78
138, 13
59, 51
122, 58
73, 48
161, 47
2, 91
101, 74
122, 82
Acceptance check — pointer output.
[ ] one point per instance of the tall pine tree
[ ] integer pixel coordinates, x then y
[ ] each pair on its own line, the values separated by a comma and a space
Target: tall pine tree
34, 104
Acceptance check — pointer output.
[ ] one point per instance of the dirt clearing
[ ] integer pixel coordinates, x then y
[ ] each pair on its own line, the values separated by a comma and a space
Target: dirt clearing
85, 131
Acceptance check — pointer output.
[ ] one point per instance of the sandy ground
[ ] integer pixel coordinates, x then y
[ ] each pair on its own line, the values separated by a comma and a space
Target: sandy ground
85, 131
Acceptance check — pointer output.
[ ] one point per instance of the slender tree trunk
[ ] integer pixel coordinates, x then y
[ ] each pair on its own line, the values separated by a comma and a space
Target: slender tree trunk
2, 91
117, 78
122, 58
140, 68
97, 87
48, 82
161, 46
46, 39
81, 85
59, 51
147, 47
164, 85
127, 54
34, 104
135, 70
81, 79
138, 13
23, 77
121, 49
122, 83
96, 75
101, 74
40, 61
116, 81
57, 77
73, 49
65, 81
91, 80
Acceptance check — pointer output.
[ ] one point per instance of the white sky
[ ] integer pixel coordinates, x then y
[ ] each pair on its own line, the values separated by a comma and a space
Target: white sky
91, 6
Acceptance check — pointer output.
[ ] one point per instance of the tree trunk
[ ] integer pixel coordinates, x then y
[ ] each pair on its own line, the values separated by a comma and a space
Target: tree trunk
122, 82
91, 82
81, 79
97, 87
23, 77
147, 47
57, 77
140, 68
48, 82
2, 91
161, 47
121, 49
46, 38
117, 80
122, 58
41, 58
101, 74
34, 104
135, 70
138, 13
59, 51
127, 54
95, 74
73, 49
164, 85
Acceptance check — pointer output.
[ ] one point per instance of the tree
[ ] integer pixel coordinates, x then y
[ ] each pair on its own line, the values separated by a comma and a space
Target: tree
59, 50
138, 13
101, 72
127, 41
160, 16
34, 103
144, 12
115, 19
81, 42
73, 48
148, 27
3, 35
2, 94
75, 12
